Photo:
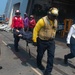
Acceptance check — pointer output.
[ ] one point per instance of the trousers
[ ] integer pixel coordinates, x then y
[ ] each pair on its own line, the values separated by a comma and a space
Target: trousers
16, 38
42, 46
72, 49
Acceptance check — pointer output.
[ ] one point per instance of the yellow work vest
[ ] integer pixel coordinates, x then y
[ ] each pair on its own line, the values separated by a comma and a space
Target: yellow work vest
47, 31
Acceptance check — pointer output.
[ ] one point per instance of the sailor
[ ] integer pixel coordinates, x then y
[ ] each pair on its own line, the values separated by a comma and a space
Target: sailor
18, 25
43, 36
70, 44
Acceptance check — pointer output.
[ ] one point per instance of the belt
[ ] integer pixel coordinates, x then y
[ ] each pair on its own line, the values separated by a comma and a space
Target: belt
51, 39
18, 28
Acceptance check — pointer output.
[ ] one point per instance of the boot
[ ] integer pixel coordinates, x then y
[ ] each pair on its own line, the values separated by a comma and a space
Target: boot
65, 59
41, 67
47, 73
0, 67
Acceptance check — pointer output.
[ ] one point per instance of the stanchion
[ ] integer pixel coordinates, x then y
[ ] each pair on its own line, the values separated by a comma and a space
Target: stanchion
28, 49
0, 49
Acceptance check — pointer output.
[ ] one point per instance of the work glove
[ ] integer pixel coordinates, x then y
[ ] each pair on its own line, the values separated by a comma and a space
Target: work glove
35, 43
68, 45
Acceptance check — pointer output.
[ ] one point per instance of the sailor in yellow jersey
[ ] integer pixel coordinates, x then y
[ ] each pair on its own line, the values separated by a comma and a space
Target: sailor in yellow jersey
43, 34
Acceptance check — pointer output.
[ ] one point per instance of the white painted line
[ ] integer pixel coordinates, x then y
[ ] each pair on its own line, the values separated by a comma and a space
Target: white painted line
34, 69
4, 43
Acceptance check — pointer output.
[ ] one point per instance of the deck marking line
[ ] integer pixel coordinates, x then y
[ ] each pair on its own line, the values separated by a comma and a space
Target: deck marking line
4, 43
34, 69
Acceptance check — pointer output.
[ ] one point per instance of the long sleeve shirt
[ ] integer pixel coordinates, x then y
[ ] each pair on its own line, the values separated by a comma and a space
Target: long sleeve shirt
26, 22
17, 22
71, 33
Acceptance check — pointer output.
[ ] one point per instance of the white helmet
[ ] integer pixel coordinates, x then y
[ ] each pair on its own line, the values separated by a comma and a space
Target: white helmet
17, 11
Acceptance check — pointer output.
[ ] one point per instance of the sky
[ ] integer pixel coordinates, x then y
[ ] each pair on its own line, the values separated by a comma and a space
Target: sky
2, 6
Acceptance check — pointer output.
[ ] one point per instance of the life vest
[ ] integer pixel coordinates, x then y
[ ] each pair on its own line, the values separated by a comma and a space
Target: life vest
47, 31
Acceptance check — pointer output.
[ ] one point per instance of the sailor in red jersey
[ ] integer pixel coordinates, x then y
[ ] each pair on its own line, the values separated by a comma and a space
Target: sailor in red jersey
32, 23
18, 25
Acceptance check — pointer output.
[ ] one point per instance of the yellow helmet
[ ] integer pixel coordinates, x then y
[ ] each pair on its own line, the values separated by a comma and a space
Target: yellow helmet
54, 11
